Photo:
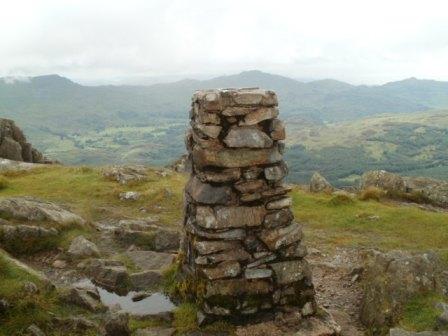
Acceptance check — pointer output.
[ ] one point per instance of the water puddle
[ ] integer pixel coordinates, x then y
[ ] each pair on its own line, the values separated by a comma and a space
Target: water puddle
153, 304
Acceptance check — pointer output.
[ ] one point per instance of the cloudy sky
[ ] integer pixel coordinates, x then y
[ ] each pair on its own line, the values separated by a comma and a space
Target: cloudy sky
98, 41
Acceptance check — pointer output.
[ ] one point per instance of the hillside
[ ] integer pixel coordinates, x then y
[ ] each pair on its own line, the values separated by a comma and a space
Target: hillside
413, 144
61, 105
98, 125
336, 231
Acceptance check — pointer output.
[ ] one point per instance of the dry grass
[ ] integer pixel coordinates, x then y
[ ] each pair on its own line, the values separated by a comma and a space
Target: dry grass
372, 193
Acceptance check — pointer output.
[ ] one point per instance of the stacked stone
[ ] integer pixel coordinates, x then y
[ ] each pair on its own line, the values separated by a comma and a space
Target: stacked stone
241, 241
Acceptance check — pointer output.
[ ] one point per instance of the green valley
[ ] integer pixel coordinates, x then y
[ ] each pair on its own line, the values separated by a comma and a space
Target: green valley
333, 127
413, 144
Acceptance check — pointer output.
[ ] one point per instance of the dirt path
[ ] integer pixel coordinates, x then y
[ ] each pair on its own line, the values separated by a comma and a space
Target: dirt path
337, 288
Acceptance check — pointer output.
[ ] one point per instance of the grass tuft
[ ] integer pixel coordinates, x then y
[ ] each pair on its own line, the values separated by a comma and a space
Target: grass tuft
4, 182
185, 318
135, 324
372, 193
341, 199
421, 314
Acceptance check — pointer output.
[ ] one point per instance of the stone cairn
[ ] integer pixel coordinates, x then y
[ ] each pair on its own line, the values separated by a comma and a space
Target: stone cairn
242, 247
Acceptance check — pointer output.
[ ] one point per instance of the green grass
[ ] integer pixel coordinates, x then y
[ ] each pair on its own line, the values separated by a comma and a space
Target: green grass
403, 227
28, 308
127, 262
421, 313
20, 246
4, 182
185, 318
94, 198
135, 324
330, 220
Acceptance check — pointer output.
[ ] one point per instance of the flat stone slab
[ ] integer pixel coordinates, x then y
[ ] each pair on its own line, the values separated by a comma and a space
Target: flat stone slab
277, 238
230, 217
259, 115
235, 157
250, 137
214, 246
226, 269
33, 209
209, 194
150, 260
287, 272
236, 287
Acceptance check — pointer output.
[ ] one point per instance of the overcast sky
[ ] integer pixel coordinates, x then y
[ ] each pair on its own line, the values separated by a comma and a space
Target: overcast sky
357, 41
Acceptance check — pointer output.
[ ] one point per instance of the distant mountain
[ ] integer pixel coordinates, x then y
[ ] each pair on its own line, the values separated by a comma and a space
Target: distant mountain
53, 107
57, 102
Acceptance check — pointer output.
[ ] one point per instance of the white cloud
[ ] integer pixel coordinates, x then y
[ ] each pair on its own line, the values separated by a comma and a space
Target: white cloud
357, 41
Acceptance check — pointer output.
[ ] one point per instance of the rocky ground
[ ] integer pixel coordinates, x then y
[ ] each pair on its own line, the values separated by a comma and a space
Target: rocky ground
114, 262
336, 275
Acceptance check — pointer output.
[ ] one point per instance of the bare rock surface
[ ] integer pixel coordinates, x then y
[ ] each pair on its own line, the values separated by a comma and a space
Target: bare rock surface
126, 174
150, 260
117, 324
429, 190
435, 191
80, 247
391, 279
14, 146
11, 165
250, 137
9, 233
130, 196
384, 180
182, 165
318, 183
85, 297
33, 209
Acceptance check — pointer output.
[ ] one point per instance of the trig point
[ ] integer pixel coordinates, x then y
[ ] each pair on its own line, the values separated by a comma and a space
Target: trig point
241, 241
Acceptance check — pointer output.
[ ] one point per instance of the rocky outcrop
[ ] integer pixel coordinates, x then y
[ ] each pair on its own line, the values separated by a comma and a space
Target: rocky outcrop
86, 297
14, 146
420, 189
383, 180
433, 191
182, 165
318, 183
109, 274
117, 324
80, 247
391, 279
148, 235
126, 174
33, 209
242, 244
10, 233
7, 165
25, 268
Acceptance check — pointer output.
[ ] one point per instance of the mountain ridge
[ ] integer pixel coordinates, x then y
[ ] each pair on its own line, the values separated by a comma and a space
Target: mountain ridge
52, 106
